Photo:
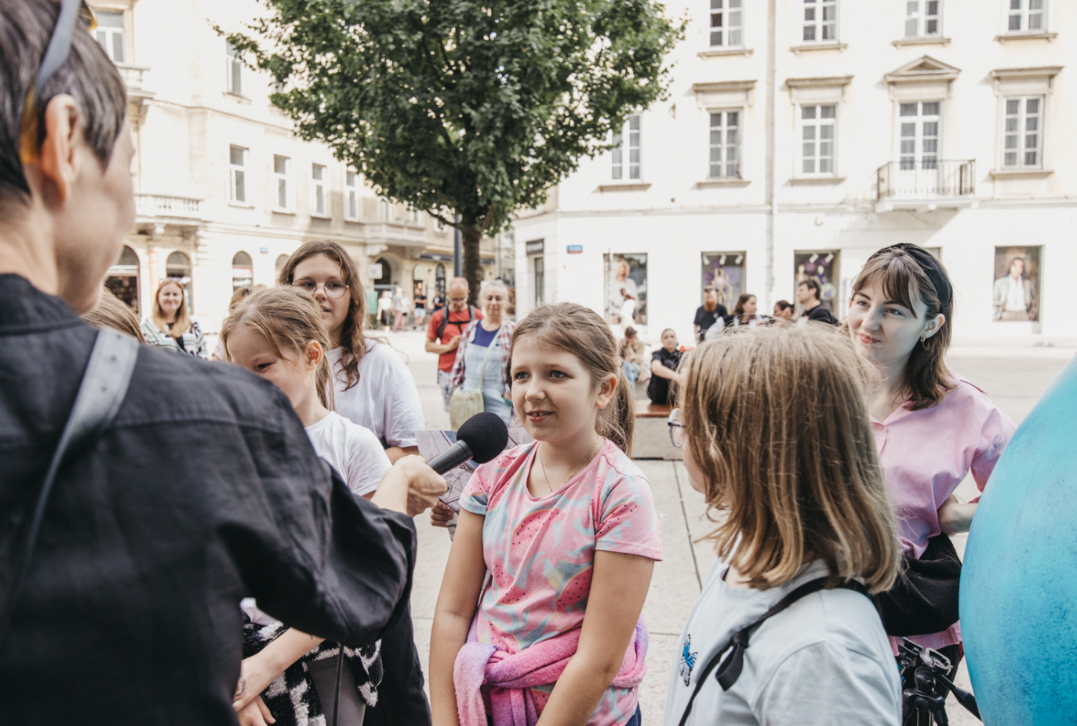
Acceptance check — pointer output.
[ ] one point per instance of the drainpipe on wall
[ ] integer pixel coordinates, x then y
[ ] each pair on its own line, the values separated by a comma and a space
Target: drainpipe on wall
772, 163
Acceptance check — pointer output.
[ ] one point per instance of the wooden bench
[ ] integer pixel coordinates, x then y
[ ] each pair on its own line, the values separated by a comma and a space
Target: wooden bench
651, 438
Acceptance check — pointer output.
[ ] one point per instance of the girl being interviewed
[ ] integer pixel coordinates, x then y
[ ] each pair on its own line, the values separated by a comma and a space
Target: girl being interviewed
777, 437
566, 528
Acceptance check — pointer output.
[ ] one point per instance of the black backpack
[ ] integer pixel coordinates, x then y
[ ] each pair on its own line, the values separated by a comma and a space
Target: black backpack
445, 320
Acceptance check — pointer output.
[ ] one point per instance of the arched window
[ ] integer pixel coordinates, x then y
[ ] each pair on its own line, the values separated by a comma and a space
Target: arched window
242, 270
178, 267
280, 263
122, 278
385, 282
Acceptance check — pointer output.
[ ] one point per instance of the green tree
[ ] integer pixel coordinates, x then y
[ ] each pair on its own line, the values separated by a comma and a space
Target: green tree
473, 108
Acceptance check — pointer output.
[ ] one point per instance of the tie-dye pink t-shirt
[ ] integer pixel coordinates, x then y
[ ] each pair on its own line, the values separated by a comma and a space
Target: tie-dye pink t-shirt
540, 551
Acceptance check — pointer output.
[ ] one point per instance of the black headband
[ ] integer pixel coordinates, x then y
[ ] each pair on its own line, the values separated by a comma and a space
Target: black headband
931, 267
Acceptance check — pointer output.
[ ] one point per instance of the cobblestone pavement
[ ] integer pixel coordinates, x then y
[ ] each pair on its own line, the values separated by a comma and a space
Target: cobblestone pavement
1015, 378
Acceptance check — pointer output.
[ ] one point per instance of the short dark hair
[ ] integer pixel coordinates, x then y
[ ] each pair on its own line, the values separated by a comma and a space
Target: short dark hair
813, 286
783, 305
88, 75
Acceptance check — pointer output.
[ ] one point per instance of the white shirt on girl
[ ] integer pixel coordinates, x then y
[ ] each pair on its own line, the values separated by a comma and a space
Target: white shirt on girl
355, 454
824, 660
385, 400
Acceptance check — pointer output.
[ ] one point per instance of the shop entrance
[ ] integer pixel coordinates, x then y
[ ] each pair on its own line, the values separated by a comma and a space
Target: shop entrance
122, 278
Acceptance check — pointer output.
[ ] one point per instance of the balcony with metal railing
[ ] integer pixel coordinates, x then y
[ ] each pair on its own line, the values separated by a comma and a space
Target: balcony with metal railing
925, 184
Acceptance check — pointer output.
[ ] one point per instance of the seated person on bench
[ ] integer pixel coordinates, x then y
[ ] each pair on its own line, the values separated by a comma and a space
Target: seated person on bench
664, 363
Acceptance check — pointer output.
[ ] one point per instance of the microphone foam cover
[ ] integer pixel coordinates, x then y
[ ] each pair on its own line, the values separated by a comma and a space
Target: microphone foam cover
486, 434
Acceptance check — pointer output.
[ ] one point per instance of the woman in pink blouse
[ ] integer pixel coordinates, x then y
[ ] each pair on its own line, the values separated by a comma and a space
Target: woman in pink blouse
932, 427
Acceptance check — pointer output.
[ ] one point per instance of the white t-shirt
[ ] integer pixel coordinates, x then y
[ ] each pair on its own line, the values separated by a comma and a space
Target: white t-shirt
1015, 295
824, 660
352, 450
385, 400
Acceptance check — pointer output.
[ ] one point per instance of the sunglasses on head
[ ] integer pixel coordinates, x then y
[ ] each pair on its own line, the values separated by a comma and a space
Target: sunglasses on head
72, 13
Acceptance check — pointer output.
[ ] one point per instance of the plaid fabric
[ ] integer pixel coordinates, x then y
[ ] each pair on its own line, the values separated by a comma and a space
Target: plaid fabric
504, 339
291, 696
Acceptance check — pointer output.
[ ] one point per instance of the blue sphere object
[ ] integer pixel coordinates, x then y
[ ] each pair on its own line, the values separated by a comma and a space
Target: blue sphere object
1019, 580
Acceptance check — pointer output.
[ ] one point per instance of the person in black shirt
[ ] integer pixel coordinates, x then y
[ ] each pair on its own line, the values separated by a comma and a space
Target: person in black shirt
808, 296
746, 312
709, 313
129, 613
664, 362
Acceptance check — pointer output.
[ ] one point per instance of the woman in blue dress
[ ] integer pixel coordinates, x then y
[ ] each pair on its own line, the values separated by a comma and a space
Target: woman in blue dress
483, 352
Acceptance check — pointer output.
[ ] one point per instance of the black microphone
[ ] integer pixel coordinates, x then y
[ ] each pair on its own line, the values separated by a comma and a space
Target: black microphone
481, 438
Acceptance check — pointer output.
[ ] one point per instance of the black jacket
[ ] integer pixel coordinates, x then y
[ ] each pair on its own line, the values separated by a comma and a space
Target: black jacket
204, 490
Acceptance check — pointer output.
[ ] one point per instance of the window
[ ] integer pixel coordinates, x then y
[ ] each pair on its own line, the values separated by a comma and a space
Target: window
820, 21
1028, 16
922, 18
384, 210
725, 145
727, 20
413, 215
237, 173
282, 260
109, 33
351, 195
242, 270
540, 281
628, 141
317, 190
817, 133
234, 71
281, 173
1022, 146
919, 142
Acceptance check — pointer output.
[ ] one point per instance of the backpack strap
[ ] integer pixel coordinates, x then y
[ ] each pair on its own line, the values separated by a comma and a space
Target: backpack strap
729, 670
103, 388
445, 320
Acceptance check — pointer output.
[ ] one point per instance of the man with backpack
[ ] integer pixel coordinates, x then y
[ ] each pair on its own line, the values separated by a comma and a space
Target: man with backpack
443, 333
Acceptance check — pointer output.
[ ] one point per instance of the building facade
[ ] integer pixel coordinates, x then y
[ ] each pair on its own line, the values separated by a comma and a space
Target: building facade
225, 191
800, 136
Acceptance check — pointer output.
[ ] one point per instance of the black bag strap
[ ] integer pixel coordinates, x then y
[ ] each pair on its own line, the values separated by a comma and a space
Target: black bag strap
445, 320
730, 669
103, 388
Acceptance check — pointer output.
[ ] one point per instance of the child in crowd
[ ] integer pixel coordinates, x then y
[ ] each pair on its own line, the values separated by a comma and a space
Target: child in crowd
567, 529
278, 334
778, 439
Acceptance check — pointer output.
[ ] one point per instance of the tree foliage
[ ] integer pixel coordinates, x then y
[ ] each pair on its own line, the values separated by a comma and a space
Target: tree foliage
469, 107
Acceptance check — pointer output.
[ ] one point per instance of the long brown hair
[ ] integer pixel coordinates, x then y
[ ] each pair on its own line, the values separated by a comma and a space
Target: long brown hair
583, 333
777, 423
738, 309
111, 312
183, 319
904, 281
352, 338
289, 320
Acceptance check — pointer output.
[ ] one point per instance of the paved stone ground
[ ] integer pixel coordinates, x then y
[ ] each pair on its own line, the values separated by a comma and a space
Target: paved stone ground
1015, 378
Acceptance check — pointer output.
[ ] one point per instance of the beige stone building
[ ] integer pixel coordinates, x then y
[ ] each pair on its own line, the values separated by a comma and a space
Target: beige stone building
224, 190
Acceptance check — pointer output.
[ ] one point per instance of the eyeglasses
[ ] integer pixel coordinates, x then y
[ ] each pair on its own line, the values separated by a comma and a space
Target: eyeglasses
333, 289
676, 427
56, 53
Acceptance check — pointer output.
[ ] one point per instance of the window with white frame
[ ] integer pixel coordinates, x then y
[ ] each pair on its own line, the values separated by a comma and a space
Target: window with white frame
727, 23
725, 145
282, 200
109, 33
627, 144
820, 21
922, 18
384, 210
318, 202
1022, 145
1027, 16
818, 136
351, 195
237, 174
234, 71
413, 215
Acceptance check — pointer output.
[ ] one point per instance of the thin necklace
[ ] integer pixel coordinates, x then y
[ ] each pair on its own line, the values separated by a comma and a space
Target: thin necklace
574, 473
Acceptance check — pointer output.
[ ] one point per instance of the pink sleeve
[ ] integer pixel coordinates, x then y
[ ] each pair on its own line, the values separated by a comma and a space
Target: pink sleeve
627, 521
994, 436
476, 494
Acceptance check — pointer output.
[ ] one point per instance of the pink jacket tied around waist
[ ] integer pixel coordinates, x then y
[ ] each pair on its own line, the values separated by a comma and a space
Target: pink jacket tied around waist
510, 677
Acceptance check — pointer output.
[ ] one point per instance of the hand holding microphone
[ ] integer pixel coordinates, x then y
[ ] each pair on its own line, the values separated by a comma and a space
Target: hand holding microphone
412, 486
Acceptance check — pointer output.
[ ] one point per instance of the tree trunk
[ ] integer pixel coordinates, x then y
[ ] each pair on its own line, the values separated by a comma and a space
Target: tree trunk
472, 266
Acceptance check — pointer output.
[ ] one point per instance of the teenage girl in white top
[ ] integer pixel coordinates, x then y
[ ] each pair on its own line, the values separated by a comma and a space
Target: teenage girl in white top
372, 386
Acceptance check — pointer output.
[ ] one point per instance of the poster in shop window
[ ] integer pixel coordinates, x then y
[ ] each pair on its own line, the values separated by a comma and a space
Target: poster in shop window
724, 271
1015, 295
821, 266
626, 290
